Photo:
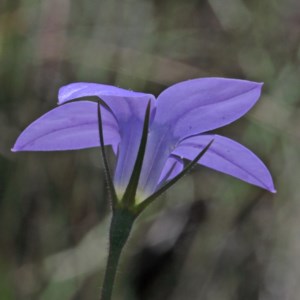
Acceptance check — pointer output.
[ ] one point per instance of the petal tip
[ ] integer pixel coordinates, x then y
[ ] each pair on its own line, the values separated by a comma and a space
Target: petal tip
16, 148
271, 188
260, 84
270, 185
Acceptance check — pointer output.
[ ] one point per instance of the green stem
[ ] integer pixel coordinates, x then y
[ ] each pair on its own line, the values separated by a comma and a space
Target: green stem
120, 228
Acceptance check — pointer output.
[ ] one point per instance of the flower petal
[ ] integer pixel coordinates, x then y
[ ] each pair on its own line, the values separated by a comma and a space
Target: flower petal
83, 89
129, 108
159, 148
173, 166
68, 127
123, 103
198, 105
229, 157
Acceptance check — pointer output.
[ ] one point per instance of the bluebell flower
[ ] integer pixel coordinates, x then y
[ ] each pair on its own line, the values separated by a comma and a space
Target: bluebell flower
180, 118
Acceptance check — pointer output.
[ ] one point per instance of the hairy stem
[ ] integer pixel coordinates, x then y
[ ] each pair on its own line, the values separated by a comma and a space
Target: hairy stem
120, 227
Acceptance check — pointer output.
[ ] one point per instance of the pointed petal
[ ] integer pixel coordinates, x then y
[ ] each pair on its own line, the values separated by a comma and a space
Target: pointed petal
198, 105
68, 127
229, 157
173, 166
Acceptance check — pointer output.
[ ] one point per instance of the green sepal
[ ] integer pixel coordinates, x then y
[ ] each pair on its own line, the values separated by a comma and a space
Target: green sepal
129, 195
111, 187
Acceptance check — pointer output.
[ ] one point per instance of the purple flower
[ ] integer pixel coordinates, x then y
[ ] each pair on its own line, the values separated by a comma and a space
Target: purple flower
179, 120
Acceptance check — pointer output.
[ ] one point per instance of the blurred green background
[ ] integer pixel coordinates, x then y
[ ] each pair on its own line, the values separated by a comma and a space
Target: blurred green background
53, 206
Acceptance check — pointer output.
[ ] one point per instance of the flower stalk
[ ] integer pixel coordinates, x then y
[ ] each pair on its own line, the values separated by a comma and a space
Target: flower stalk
120, 228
